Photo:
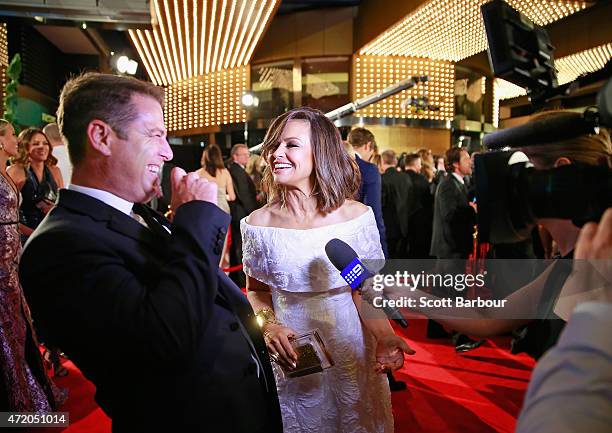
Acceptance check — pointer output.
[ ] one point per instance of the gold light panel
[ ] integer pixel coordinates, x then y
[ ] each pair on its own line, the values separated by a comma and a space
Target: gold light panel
4, 62
207, 100
506, 90
374, 73
453, 29
571, 67
197, 37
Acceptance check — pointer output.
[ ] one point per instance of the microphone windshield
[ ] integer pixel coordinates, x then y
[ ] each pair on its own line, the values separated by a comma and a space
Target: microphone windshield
339, 253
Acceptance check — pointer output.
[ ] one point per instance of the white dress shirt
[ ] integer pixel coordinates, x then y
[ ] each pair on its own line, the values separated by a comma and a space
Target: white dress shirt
106, 197
459, 178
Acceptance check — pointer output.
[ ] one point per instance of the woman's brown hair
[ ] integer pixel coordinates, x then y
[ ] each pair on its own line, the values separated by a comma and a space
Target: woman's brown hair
212, 159
336, 175
23, 140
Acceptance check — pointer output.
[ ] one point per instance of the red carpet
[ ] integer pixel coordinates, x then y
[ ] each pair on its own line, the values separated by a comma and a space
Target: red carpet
477, 392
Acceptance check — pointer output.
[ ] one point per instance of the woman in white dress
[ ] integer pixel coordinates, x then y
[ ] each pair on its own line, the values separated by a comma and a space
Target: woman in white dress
294, 288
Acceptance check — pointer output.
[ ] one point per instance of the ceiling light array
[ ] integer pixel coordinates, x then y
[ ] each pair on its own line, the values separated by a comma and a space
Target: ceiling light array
197, 37
571, 67
373, 73
207, 100
4, 62
454, 30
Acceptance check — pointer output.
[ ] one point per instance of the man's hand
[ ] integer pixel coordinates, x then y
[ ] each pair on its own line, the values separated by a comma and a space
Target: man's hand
189, 187
390, 351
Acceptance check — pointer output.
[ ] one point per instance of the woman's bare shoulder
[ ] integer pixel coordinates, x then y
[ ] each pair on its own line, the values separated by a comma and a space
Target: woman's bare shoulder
263, 216
16, 170
55, 170
352, 209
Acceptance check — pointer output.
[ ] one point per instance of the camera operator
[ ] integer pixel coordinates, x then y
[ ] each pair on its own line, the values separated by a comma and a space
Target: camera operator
539, 297
576, 374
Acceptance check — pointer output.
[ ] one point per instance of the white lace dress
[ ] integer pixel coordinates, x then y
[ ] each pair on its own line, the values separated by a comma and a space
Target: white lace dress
308, 293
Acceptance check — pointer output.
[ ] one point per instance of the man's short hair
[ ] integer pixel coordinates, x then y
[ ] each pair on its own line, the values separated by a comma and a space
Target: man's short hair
235, 148
453, 155
389, 157
105, 97
359, 137
411, 158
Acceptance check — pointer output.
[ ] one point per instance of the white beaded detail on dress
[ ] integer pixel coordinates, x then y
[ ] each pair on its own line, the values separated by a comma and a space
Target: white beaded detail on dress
307, 293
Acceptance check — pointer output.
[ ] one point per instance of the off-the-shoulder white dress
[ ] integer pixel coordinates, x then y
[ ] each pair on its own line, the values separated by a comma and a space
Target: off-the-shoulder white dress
308, 293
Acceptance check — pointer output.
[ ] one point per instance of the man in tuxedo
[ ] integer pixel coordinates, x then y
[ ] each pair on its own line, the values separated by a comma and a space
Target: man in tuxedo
396, 201
453, 228
139, 305
245, 203
370, 190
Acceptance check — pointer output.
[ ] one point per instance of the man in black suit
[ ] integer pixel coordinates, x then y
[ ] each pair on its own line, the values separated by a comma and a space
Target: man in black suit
421, 211
453, 228
245, 203
370, 189
140, 305
454, 216
396, 201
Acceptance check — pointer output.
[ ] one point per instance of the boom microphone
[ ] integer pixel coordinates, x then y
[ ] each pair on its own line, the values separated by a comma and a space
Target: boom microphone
344, 258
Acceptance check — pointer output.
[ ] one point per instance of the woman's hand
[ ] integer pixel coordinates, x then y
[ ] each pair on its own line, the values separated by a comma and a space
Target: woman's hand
278, 342
45, 206
390, 351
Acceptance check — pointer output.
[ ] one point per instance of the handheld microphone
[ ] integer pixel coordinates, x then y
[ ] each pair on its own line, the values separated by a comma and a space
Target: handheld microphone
344, 258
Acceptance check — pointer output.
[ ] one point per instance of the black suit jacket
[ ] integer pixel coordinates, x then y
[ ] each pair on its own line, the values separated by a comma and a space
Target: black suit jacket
246, 193
397, 199
454, 221
169, 341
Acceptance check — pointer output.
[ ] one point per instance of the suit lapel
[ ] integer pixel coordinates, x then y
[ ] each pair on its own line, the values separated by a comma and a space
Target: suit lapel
102, 213
460, 186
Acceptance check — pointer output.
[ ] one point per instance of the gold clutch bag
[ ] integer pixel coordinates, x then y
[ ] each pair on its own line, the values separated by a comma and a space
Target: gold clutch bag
313, 356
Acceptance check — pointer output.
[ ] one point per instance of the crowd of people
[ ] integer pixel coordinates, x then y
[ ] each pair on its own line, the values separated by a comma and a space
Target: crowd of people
111, 282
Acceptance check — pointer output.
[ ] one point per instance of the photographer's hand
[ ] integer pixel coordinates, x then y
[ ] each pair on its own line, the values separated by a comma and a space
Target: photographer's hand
591, 278
595, 240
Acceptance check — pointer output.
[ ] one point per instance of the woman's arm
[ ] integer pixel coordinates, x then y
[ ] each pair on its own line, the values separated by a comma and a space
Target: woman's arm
277, 335
57, 175
25, 230
229, 186
390, 348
